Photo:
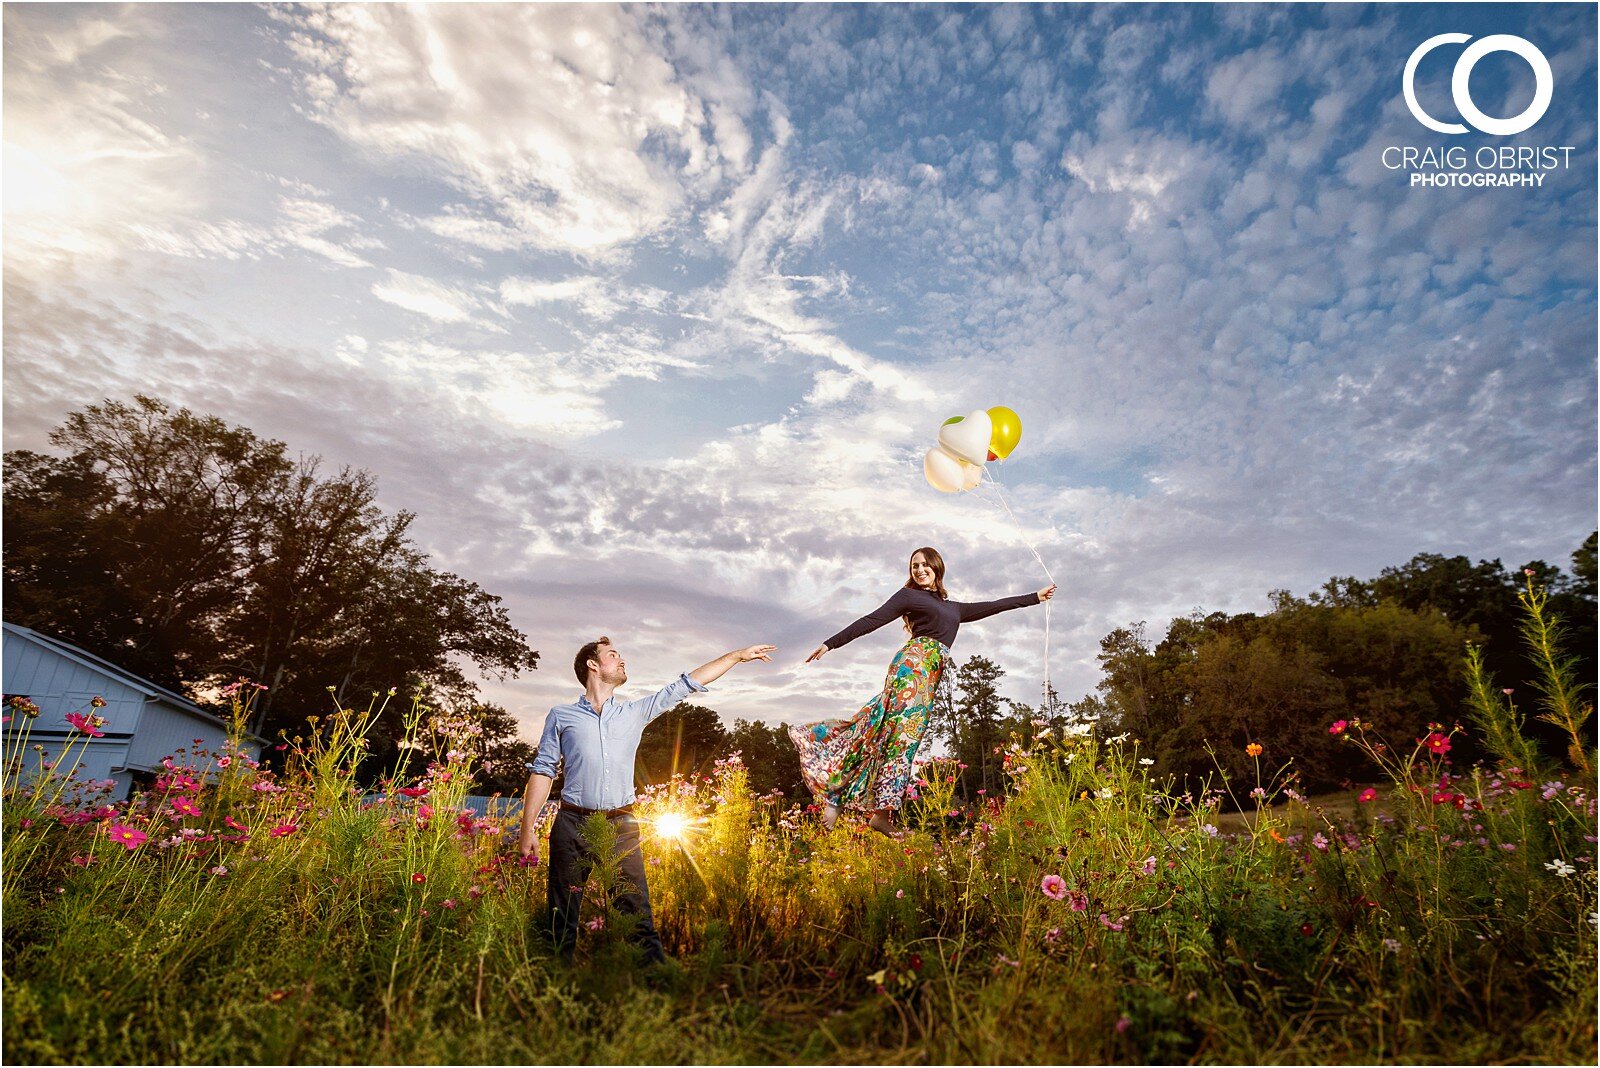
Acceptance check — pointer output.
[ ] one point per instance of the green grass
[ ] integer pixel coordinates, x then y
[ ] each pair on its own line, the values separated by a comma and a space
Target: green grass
1091, 915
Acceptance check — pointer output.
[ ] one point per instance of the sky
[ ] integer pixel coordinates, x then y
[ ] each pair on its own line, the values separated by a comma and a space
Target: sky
651, 313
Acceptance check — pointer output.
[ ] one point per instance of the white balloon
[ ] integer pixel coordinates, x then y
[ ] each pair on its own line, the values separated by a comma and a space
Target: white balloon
971, 475
943, 471
969, 439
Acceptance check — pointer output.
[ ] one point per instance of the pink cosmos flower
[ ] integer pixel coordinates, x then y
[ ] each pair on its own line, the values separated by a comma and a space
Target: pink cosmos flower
87, 724
223, 762
1339, 726
413, 791
418, 877
1109, 924
1369, 794
236, 825
1054, 887
284, 830
131, 837
185, 806
1078, 901
596, 924
1437, 743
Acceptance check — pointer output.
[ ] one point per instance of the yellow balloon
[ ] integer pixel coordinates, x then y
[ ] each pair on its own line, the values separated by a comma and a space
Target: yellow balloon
1007, 431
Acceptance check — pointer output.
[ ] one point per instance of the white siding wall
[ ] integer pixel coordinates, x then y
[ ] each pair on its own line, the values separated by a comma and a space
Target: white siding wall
59, 684
163, 730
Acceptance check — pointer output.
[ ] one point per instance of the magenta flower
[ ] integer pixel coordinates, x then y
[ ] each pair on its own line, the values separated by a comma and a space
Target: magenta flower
1338, 726
1054, 887
87, 724
1369, 794
185, 806
284, 830
131, 837
1437, 743
1079, 901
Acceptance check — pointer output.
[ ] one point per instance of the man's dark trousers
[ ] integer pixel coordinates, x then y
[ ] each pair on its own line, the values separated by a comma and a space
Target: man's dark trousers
570, 862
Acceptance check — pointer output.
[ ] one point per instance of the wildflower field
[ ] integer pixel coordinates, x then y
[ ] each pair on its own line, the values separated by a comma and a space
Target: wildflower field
238, 914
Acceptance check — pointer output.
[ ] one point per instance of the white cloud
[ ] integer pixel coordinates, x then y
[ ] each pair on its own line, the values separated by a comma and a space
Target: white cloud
414, 293
566, 127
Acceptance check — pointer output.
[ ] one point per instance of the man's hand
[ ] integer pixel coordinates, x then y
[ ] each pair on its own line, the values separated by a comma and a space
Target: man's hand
1047, 593
706, 674
530, 859
821, 650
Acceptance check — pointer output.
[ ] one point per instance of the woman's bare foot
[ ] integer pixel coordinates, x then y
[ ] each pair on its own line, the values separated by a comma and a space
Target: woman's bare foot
830, 816
881, 823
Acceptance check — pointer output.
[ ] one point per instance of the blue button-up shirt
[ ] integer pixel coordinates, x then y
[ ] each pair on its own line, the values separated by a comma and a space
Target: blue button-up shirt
599, 748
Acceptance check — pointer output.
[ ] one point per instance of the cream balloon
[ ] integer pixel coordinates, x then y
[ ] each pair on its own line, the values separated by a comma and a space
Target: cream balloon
943, 471
969, 439
971, 475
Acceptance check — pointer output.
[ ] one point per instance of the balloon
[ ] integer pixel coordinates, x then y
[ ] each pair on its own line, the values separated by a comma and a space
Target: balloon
968, 439
971, 475
953, 419
1006, 432
943, 471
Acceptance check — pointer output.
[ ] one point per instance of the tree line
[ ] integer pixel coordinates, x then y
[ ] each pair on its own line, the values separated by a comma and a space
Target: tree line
193, 552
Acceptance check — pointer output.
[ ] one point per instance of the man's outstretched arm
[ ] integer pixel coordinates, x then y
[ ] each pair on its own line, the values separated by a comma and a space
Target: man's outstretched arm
710, 672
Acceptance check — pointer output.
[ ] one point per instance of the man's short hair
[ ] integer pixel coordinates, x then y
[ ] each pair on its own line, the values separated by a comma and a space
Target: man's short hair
580, 665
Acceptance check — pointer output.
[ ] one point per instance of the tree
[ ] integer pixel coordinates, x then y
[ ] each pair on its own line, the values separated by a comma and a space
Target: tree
167, 510
503, 757
191, 552
685, 740
972, 725
770, 759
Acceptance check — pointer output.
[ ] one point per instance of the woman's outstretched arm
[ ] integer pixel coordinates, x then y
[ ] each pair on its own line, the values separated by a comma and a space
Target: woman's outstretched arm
974, 610
894, 606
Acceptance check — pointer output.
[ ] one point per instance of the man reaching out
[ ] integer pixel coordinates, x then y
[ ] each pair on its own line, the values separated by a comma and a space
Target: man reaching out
597, 736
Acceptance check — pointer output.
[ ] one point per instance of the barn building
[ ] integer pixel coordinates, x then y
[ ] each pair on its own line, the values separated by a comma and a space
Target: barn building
144, 722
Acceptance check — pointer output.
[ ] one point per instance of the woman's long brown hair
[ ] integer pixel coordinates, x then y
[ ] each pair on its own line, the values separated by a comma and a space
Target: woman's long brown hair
936, 562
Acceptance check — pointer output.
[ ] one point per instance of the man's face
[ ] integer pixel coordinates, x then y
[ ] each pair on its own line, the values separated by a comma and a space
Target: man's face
612, 670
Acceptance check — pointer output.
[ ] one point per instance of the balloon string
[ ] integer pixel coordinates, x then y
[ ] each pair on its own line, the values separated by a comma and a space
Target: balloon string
1001, 497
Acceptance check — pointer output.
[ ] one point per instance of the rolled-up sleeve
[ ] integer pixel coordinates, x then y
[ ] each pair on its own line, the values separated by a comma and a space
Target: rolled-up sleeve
669, 695
547, 760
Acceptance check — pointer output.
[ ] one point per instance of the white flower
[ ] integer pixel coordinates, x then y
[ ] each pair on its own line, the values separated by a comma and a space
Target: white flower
1211, 830
1146, 761
1106, 794
1119, 738
1561, 868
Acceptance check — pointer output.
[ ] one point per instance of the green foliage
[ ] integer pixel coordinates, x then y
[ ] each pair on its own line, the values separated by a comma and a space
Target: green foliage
683, 741
1090, 915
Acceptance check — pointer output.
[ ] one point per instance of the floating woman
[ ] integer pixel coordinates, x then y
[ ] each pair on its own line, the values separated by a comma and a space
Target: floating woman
865, 763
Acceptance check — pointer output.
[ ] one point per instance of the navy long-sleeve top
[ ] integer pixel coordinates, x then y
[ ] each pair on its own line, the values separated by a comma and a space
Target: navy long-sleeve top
930, 616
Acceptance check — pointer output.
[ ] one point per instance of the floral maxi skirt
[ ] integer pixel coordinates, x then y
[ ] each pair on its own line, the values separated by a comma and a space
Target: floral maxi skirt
865, 762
